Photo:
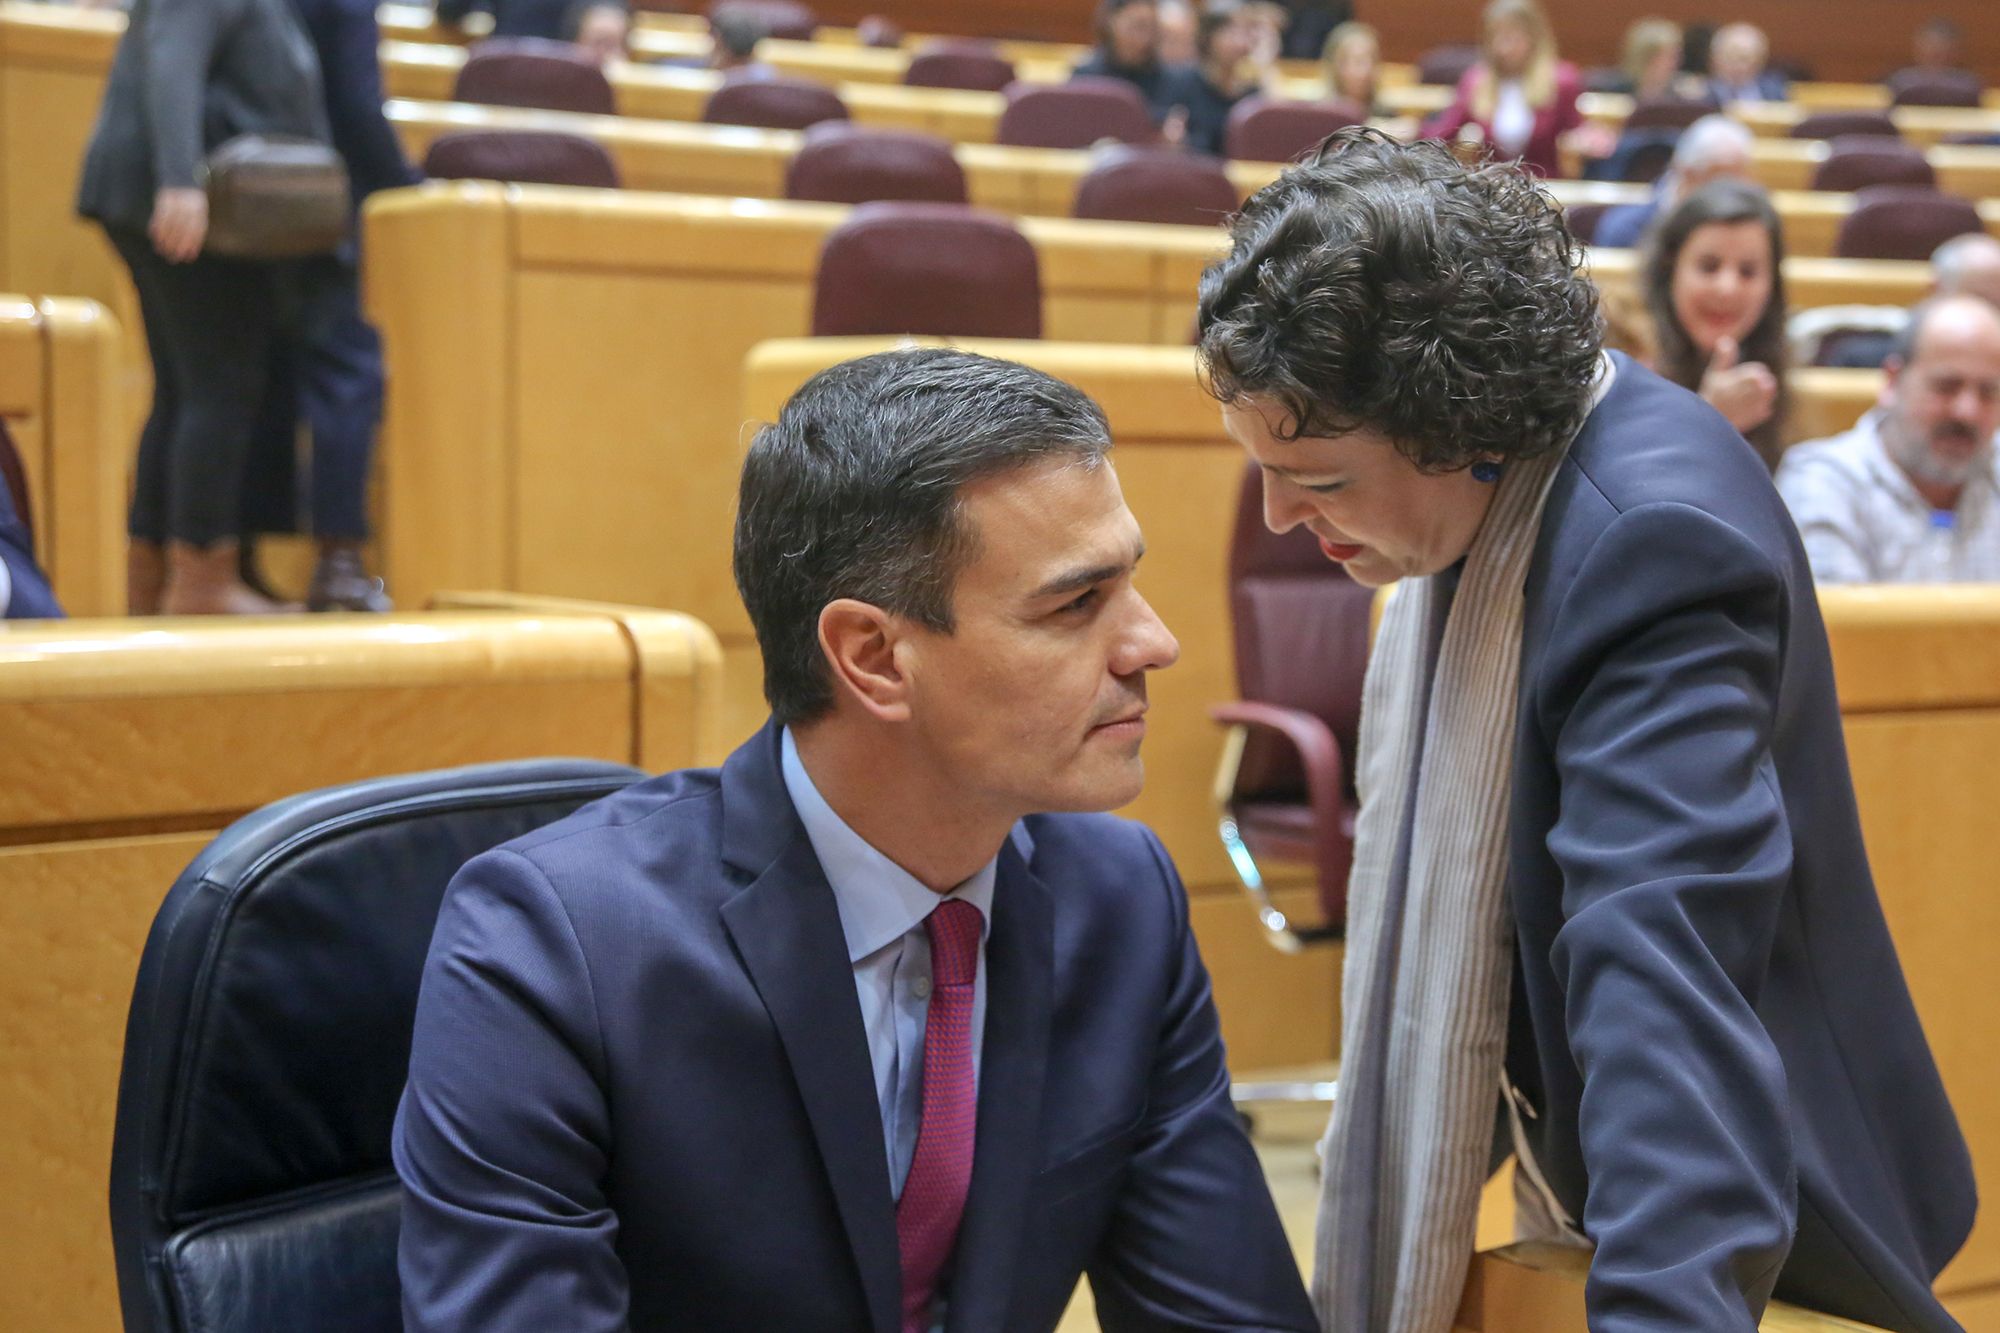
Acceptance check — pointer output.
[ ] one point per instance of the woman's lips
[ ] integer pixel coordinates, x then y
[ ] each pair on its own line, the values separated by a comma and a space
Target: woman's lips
1338, 553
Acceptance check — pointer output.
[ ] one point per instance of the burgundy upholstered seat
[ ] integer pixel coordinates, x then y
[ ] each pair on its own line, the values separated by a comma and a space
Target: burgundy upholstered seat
1903, 222
531, 72
940, 269
783, 19
1857, 161
1262, 130
773, 103
1133, 183
1300, 626
1836, 124
1076, 114
1667, 113
959, 63
531, 157
1926, 87
1446, 64
844, 163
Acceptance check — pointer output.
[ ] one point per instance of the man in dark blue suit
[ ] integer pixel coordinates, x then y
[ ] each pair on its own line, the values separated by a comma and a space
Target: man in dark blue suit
877, 1027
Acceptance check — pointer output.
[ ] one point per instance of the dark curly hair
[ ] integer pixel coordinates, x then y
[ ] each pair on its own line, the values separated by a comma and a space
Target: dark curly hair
1388, 287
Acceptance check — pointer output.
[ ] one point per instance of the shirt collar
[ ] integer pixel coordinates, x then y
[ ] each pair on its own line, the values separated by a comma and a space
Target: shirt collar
879, 901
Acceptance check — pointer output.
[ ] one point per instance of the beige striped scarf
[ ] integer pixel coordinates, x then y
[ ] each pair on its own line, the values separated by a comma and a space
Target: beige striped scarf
1408, 1144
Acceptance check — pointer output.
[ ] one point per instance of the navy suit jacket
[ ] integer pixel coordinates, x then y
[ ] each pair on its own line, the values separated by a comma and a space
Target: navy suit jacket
348, 39
640, 1092
1730, 1086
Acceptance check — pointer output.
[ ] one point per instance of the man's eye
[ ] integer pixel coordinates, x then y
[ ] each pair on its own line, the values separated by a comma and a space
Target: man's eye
1082, 602
1327, 487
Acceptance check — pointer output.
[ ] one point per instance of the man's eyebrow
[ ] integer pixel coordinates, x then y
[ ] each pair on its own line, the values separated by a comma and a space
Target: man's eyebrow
1077, 580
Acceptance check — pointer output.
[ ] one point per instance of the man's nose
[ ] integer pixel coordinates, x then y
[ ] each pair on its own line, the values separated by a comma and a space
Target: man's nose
1150, 646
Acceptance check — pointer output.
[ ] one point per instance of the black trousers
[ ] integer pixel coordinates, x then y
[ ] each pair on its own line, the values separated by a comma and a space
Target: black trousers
210, 327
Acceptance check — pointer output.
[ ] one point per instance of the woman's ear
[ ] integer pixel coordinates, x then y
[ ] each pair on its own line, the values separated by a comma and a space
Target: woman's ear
860, 641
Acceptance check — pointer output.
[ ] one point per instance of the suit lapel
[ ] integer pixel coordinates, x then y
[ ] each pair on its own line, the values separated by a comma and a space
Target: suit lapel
1020, 985
787, 930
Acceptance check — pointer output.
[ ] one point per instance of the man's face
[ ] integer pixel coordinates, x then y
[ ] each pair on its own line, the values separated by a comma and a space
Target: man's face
1035, 701
602, 32
1737, 56
1134, 29
1943, 407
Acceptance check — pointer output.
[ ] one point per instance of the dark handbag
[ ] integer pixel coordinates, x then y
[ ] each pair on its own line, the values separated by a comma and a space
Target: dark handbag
275, 196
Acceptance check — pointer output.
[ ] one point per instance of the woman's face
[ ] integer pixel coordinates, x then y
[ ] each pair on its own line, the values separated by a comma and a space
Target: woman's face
1509, 45
1657, 79
1133, 31
1372, 511
1722, 282
1354, 69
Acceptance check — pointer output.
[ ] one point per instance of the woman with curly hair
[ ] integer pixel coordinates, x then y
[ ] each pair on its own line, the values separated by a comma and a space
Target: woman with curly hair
1715, 285
1608, 874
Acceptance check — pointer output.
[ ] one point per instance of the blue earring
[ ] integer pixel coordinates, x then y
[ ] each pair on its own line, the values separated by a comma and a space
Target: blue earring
1486, 470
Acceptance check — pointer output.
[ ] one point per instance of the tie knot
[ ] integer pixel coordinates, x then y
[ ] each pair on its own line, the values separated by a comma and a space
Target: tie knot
954, 928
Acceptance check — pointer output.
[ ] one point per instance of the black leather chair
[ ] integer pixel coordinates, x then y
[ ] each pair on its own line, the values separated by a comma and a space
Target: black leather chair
251, 1185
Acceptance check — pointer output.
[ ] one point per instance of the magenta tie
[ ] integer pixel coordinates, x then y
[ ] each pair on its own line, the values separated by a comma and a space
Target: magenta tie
941, 1168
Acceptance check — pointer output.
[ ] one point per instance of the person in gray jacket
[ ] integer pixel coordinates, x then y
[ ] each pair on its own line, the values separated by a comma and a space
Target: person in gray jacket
190, 74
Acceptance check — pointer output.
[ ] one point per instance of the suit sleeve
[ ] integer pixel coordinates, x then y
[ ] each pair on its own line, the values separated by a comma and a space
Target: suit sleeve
181, 39
1195, 1241
503, 1136
1660, 689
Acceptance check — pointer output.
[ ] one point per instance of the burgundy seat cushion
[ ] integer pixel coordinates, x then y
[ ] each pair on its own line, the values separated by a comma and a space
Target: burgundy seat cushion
938, 269
1130, 183
844, 163
1076, 114
1446, 64
534, 157
1903, 222
773, 103
1834, 124
531, 72
1667, 113
1857, 161
955, 63
1923, 87
1261, 130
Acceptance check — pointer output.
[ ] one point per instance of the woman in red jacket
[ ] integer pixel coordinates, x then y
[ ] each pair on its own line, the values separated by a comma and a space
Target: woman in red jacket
1519, 97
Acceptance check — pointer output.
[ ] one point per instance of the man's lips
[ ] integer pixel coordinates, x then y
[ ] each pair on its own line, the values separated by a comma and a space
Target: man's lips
1135, 719
1337, 552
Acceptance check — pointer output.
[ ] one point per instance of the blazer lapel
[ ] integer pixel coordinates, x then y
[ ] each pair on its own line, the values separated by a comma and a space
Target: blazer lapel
787, 930
1020, 985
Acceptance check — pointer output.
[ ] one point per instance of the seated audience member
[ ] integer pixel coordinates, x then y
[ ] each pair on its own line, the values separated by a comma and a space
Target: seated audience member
1736, 71
1714, 281
1912, 493
24, 588
1713, 148
1310, 24
1353, 63
1127, 47
1650, 66
1175, 26
1198, 98
733, 36
1937, 47
1518, 97
1967, 265
601, 27
511, 18
876, 1021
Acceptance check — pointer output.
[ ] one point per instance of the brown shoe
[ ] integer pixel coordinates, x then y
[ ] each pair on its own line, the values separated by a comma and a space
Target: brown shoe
341, 582
204, 582
145, 577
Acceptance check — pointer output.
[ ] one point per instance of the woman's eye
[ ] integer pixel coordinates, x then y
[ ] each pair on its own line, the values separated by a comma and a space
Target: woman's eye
1327, 487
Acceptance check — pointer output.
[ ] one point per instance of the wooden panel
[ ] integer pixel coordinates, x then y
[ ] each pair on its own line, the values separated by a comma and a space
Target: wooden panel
88, 445
1827, 400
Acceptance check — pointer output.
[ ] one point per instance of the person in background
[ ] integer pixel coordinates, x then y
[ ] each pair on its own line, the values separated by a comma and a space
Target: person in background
1736, 66
511, 18
1650, 67
24, 588
1518, 97
1713, 148
1310, 24
1968, 265
1353, 63
601, 27
1912, 493
1198, 98
1713, 275
1128, 47
1175, 24
1865, 336
187, 75
1938, 47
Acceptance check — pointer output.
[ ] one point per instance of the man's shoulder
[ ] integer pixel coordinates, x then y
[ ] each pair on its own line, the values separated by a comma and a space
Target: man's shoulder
1818, 470
672, 819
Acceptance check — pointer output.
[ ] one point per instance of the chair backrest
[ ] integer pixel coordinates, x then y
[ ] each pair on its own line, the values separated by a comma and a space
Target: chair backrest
1446, 64
959, 63
1854, 348
1667, 113
1132, 183
1903, 222
533, 72
844, 163
939, 269
1927, 87
14, 476
783, 19
269, 1038
1263, 130
774, 103
1300, 627
1857, 161
1836, 124
1076, 114
531, 157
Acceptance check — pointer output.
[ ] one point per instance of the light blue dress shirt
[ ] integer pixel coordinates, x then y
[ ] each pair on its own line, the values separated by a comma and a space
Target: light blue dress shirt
882, 912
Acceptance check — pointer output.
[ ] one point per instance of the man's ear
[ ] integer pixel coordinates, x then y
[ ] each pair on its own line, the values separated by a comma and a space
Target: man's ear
859, 641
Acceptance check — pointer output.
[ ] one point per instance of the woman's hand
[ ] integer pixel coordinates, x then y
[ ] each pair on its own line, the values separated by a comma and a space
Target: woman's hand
179, 225
1745, 394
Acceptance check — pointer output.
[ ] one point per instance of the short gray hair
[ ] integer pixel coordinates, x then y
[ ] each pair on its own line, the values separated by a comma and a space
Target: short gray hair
1709, 138
1950, 261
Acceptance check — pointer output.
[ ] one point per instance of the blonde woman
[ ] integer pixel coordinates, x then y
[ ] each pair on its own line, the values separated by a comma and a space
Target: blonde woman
1519, 97
1651, 66
1353, 64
